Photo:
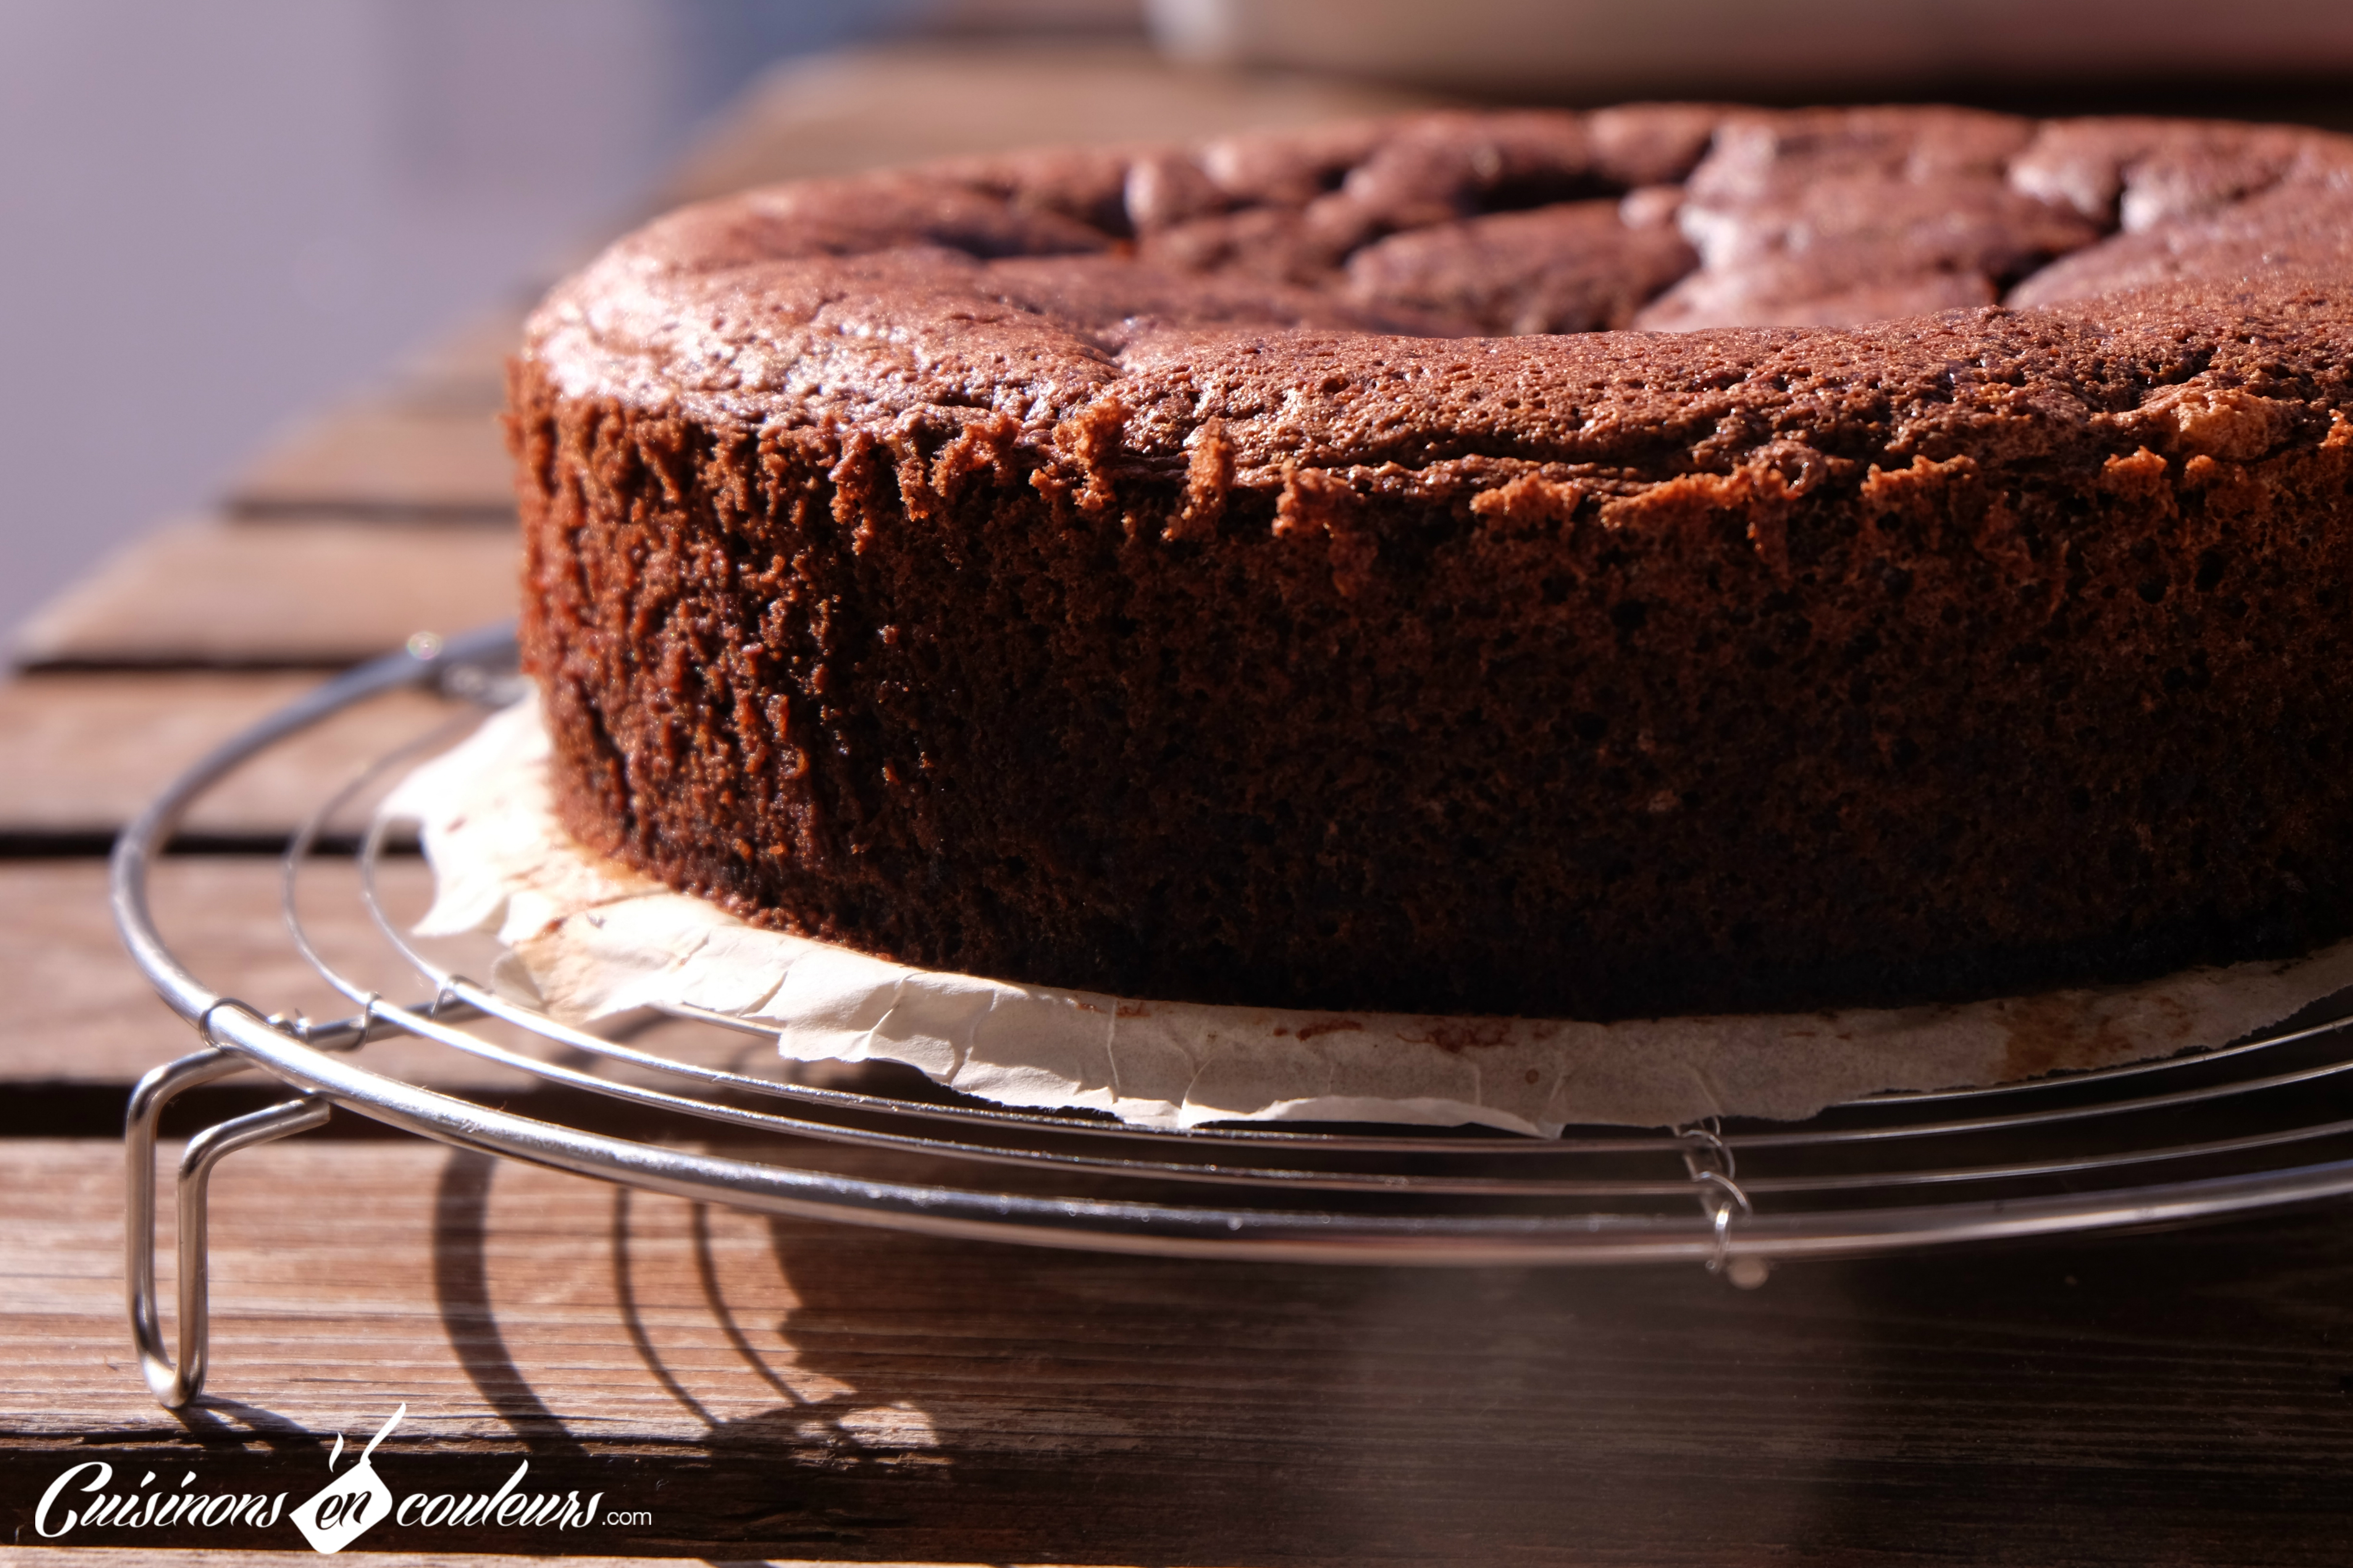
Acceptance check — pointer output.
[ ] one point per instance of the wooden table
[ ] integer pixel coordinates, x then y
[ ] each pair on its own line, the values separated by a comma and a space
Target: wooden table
744, 1388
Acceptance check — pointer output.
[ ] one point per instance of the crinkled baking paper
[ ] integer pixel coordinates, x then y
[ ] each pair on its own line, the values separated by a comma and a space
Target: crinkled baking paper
596, 939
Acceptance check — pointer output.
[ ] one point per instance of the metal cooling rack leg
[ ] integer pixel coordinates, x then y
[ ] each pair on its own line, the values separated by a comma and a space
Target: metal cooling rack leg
147, 1102
174, 1386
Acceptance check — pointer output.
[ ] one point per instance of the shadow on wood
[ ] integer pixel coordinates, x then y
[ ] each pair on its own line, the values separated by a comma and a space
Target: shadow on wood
772, 1387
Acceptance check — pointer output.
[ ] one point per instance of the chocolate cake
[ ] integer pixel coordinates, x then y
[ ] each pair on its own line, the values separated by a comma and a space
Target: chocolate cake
1667, 560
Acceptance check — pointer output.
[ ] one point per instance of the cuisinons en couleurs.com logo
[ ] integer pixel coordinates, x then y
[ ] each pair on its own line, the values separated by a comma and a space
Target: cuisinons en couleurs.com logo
337, 1512
84, 1501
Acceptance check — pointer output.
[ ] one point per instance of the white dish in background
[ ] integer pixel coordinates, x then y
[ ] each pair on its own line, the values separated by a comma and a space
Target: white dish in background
1731, 45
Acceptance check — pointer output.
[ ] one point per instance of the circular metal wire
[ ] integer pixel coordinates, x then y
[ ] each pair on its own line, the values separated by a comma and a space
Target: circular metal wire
2262, 1122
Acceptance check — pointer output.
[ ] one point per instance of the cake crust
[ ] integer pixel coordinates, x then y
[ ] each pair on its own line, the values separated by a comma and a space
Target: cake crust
1147, 571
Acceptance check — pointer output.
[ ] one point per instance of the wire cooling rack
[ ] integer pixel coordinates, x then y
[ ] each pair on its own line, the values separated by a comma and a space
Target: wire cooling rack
712, 1115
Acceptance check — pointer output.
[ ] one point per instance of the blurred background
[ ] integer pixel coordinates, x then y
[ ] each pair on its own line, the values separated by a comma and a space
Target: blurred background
225, 218
218, 215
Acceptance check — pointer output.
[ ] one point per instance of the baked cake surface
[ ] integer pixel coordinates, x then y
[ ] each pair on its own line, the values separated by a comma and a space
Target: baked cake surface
1669, 559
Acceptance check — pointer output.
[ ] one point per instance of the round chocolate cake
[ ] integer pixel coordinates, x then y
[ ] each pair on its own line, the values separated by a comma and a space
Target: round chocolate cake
1663, 561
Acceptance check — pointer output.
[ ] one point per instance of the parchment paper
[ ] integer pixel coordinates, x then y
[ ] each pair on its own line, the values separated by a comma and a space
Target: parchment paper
591, 938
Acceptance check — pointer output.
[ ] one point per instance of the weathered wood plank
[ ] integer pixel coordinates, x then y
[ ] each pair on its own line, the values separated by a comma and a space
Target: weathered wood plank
864, 108
80, 1012
2116, 1400
322, 593
404, 461
83, 1015
87, 751
321, 1302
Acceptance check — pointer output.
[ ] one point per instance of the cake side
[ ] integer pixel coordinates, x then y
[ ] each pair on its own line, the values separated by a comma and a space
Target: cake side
1066, 618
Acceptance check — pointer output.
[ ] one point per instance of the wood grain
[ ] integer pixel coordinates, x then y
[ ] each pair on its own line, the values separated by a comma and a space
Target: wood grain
405, 461
320, 593
2117, 1400
80, 1012
87, 751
